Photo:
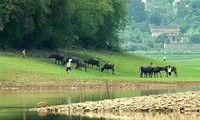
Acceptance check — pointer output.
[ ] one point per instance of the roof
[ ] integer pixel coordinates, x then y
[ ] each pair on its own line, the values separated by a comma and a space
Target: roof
171, 29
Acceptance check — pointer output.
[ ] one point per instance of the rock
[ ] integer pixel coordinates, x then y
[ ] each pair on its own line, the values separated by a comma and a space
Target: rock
41, 104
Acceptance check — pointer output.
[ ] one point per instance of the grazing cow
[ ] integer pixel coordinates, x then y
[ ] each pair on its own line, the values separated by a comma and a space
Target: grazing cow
146, 70
92, 61
108, 66
58, 58
81, 64
173, 69
157, 70
74, 60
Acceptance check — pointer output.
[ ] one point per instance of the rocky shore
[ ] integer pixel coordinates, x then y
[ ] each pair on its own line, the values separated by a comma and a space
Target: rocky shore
176, 102
93, 84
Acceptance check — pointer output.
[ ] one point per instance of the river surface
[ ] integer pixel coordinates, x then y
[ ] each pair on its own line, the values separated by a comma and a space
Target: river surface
14, 102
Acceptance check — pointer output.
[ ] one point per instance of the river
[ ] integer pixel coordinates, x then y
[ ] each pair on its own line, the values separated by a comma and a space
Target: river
14, 102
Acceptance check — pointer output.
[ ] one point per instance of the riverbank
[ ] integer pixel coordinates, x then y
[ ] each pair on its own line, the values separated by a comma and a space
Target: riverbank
40, 72
75, 84
176, 102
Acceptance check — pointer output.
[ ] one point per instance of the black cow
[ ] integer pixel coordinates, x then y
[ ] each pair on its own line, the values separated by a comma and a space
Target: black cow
74, 60
108, 66
92, 61
146, 70
157, 70
173, 69
81, 64
58, 58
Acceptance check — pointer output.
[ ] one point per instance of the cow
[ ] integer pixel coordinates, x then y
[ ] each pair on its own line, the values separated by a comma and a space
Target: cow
146, 70
74, 60
58, 58
173, 69
81, 64
157, 70
93, 61
108, 66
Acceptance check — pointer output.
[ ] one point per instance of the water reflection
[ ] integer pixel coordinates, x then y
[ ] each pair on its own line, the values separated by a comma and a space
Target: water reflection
12, 104
143, 116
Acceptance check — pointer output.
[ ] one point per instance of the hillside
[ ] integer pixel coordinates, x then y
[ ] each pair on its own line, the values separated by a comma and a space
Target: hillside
39, 69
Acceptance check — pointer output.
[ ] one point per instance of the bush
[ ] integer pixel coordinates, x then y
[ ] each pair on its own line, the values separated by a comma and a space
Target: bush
195, 39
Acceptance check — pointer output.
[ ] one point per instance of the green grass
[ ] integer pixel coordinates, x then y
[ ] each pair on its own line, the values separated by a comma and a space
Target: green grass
171, 55
37, 68
187, 62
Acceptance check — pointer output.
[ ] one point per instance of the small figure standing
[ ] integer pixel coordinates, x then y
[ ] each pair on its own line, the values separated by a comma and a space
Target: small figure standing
169, 70
68, 65
24, 54
164, 58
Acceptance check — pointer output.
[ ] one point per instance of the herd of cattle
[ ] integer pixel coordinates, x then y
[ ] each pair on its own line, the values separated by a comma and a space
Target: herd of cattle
145, 71
59, 59
154, 71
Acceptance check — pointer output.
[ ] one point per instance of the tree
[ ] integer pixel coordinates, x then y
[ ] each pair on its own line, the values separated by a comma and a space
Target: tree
137, 10
162, 38
114, 18
59, 23
24, 17
171, 1
156, 19
4, 13
195, 39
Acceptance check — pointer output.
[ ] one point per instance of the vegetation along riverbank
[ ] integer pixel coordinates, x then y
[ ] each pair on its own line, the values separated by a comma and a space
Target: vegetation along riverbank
40, 72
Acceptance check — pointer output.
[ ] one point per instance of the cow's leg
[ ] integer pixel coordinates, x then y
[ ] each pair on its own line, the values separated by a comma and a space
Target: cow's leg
77, 66
145, 75
150, 74
166, 74
61, 62
97, 66
155, 74
175, 74
160, 74
113, 71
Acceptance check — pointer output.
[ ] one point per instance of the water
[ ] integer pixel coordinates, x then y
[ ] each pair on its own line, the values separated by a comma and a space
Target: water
14, 102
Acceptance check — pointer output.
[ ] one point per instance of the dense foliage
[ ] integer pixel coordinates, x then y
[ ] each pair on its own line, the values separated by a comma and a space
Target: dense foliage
92, 24
195, 39
142, 16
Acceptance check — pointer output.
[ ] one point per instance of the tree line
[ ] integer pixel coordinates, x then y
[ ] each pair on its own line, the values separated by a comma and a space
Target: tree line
51, 24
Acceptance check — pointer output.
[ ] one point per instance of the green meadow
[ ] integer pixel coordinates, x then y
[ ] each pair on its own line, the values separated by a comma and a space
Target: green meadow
38, 68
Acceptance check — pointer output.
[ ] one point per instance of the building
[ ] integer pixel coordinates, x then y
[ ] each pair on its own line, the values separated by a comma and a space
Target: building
171, 31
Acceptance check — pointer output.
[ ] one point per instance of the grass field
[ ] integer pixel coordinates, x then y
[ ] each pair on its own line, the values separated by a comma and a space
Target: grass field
37, 68
188, 62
